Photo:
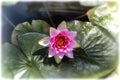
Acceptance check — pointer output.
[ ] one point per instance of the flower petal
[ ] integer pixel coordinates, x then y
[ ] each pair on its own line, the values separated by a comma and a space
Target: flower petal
73, 43
69, 54
51, 52
57, 59
61, 55
69, 48
65, 32
72, 34
62, 26
44, 41
53, 32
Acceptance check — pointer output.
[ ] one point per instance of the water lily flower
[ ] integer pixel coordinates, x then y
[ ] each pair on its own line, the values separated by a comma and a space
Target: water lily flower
61, 42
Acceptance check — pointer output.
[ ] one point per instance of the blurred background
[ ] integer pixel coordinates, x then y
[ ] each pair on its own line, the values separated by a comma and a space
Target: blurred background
15, 12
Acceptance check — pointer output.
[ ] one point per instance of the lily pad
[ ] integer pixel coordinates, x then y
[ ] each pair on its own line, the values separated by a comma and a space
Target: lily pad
97, 56
38, 26
16, 65
13, 60
20, 29
28, 42
104, 16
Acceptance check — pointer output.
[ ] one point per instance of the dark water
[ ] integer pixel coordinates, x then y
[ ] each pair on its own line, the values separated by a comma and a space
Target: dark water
52, 12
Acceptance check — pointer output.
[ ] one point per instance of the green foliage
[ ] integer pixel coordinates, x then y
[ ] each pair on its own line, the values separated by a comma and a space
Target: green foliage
98, 54
37, 26
103, 17
28, 42
12, 60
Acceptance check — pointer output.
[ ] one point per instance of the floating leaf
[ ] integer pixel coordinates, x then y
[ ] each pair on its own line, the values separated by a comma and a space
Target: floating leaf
37, 26
13, 60
20, 29
40, 26
104, 17
29, 43
97, 56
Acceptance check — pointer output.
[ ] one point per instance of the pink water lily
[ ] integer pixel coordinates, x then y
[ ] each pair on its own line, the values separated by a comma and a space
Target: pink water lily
61, 42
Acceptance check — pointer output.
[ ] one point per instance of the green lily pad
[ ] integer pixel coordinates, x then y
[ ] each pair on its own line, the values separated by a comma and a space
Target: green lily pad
105, 19
28, 42
97, 56
13, 60
38, 26
38, 70
20, 29
14, 63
